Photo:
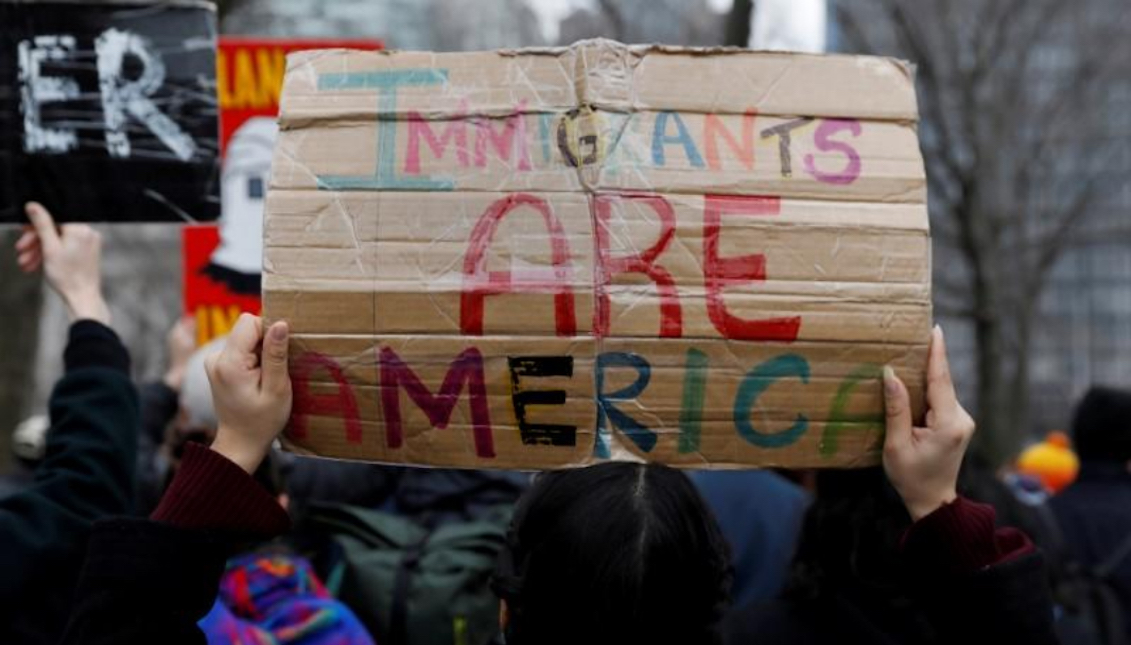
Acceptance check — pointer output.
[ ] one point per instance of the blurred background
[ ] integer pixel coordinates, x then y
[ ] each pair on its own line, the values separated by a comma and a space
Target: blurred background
1026, 132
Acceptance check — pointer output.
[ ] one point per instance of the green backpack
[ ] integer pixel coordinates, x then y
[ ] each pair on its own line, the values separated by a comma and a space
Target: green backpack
410, 585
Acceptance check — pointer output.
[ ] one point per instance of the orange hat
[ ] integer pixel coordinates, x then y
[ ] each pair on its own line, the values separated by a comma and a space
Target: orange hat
1052, 461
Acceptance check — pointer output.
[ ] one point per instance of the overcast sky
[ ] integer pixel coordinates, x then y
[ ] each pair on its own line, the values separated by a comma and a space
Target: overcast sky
551, 12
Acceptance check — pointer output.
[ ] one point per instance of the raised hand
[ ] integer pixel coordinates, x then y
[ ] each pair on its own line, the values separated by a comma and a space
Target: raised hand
71, 259
922, 462
251, 390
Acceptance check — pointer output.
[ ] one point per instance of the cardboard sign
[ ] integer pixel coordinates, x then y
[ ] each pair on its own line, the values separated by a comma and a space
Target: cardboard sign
222, 266
108, 110
547, 258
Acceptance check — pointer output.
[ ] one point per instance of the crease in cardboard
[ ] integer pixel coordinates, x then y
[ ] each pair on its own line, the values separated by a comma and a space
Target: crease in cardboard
763, 398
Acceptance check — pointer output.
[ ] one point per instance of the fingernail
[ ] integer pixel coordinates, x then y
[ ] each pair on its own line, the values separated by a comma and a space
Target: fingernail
30, 207
278, 332
938, 329
890, 386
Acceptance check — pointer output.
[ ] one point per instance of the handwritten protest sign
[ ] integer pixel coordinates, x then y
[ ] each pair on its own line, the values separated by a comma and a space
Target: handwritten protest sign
546, 258
108, 110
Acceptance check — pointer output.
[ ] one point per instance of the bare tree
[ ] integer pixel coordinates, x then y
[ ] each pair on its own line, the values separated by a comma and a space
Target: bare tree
738, 23
1019, 159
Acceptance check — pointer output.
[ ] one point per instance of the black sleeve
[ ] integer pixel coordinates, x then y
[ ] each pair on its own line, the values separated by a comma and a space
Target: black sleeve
159, 405
1008, 602
146, 582
88, 471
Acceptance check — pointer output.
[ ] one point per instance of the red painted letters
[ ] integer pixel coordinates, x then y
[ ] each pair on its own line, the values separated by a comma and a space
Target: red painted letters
467, 367
671, 319
306, 403
478, 282
719, 273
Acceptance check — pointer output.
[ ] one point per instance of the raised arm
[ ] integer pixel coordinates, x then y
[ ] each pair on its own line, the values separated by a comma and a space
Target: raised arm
151, 581
89, 468
979, 584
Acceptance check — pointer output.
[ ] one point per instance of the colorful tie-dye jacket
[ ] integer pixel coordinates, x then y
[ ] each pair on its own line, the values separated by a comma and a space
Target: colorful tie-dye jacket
275, 598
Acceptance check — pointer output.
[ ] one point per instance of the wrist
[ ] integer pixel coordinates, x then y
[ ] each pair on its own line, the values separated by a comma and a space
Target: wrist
244, 454
918, 509
88, 306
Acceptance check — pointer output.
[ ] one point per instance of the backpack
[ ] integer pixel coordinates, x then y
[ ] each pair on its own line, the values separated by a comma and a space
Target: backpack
408, 583
1089, 612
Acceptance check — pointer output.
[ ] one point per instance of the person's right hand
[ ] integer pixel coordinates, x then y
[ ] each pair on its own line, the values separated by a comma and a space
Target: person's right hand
922, 462
71, 260
251, 390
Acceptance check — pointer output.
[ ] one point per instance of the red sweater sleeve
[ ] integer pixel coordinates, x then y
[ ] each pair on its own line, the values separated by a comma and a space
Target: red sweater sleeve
961, 538
211, 492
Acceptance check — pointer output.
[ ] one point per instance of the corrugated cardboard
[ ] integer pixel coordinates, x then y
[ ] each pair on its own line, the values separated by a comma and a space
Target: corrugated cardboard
547, 258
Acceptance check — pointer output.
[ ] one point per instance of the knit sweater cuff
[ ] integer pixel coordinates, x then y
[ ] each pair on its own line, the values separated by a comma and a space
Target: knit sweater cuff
960, 538
211, 492
92, 344
957, 538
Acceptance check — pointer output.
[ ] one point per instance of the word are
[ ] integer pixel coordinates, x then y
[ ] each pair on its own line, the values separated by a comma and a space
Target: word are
719, 272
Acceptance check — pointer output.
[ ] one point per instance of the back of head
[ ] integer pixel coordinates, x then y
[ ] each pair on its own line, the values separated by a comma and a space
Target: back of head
1102, 426
849, 538
614, 553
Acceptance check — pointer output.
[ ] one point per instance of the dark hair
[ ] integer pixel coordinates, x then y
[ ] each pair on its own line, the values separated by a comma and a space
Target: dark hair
849, 541
1101, 427
614, 553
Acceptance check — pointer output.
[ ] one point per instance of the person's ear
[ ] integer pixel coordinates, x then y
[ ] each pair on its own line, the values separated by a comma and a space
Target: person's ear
504, 616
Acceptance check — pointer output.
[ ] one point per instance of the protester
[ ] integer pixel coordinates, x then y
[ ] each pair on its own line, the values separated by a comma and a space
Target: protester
88, 470
614, 553
910, 561
150, 581
276, 598
1094, 513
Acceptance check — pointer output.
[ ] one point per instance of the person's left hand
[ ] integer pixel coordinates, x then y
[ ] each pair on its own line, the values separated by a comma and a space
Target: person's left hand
922, 463
251, 390
71, 259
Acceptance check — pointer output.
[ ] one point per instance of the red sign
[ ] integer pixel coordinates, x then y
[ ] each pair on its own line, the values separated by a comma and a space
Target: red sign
249, 76
207, 296
221, 264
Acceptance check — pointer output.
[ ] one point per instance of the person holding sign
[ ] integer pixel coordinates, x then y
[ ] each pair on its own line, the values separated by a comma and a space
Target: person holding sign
627, 553
615, 553
88, 472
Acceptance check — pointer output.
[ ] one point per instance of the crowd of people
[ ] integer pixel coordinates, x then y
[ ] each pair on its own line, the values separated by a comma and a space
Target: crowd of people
161, 513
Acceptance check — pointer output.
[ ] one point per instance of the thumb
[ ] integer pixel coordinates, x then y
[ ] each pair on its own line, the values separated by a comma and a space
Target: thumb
274, 358
897, 408
44, 227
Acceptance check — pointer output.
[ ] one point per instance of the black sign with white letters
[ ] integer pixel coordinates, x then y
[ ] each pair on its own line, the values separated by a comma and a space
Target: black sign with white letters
108, 110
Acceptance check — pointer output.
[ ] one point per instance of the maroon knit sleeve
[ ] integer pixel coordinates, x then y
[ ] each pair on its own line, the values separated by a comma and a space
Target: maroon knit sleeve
211, 492
960, 538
